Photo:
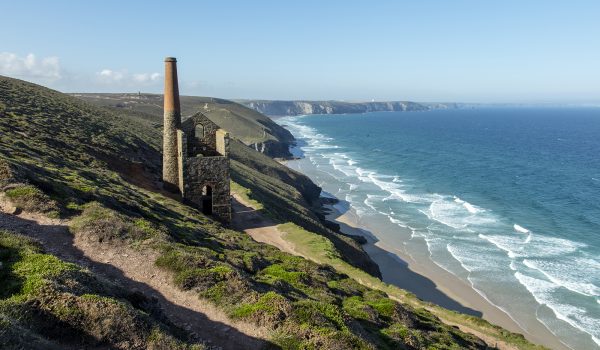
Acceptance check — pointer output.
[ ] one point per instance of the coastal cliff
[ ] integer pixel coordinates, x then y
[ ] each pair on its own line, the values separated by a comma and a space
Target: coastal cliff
286, 108
95, 255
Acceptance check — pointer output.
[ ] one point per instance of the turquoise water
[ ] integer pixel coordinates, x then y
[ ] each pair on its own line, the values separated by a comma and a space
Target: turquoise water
507, 199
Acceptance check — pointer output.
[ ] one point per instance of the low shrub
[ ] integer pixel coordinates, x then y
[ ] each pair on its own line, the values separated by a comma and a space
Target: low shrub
46, 303
101, 224
270, 307
30, 198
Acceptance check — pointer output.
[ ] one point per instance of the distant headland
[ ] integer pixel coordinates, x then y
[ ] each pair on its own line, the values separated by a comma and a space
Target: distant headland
301, 107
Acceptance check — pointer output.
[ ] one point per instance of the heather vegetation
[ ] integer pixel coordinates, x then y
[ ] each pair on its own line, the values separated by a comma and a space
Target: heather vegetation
98, 169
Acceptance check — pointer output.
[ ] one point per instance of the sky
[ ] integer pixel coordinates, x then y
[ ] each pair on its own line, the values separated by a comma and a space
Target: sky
524, 51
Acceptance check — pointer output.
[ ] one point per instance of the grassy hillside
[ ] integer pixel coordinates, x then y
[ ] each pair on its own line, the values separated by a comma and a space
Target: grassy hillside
247, 125
293, 194
46, 303
65, 158
281, 191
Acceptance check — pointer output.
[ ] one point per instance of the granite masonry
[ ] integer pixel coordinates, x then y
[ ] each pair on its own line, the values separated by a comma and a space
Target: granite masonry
195, 154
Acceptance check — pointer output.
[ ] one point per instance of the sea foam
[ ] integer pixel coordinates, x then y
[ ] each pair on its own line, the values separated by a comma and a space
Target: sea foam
521, 229
480, 241
544, 293
575, 274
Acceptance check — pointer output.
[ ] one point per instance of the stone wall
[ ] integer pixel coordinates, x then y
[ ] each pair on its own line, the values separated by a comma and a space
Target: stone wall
213, 172
222, 142
170, 170
181, 160
205, 143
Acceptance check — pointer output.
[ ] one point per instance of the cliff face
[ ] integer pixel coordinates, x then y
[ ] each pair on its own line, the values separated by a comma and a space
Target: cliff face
280, 108
273, 149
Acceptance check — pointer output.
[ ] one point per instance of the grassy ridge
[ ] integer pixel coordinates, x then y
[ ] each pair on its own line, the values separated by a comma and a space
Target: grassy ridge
248, 125
285, 203
99, 170
292, 193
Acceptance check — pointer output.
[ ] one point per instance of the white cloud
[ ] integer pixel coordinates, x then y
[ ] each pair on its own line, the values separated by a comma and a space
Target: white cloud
146, 77
48, 71
123, 78
110, 76
30, 67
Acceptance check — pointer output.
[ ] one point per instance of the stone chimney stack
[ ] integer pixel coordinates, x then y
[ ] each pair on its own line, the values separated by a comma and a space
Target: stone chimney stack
172, 123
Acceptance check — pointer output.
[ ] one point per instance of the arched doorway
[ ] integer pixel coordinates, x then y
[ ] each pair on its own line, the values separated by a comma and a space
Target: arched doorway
207, 200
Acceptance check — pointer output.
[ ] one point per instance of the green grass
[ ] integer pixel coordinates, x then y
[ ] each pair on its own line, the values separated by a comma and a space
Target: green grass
243, 123
30, 198
101, 168
268, 303
58, 304
246, 195
36, 270
277, 272
318, 248
102, 224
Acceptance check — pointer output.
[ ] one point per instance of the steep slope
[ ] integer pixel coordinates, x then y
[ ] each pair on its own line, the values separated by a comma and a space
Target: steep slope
46, 303
131, 271
285, 195
97, 171
295, 195
247, 125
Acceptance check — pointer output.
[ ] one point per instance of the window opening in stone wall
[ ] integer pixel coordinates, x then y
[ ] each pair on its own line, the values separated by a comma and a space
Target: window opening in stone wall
199, 132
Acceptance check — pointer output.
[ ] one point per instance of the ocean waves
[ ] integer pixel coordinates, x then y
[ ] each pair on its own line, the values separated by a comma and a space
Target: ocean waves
576, 274
502, 259
549, 294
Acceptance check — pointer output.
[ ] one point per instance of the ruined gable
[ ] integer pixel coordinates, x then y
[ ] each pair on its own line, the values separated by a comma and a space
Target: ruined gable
201, 133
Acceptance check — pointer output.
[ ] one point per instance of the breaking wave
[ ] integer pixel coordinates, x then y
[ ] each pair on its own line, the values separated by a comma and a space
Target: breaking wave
463, 235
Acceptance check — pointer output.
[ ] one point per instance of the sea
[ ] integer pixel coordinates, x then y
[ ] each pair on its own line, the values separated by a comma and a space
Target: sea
506, 199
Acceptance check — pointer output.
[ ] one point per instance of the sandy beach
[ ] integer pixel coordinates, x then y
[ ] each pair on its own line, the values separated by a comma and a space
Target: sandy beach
432, 283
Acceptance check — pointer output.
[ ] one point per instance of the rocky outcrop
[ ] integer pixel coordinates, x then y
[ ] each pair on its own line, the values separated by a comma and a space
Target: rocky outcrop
281, 108
272, 148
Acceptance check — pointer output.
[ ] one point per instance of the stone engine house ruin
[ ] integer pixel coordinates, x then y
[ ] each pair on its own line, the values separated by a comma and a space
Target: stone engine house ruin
195, 154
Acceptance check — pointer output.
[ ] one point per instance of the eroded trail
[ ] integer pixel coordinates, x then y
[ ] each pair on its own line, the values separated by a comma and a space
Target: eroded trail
134, 270
260, 228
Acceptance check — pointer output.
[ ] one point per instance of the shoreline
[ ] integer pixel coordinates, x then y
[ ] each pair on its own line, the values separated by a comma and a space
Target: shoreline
463, 269
431, 283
